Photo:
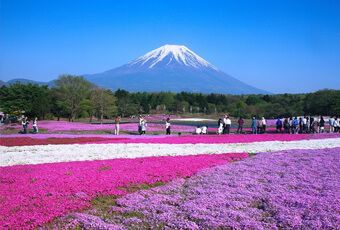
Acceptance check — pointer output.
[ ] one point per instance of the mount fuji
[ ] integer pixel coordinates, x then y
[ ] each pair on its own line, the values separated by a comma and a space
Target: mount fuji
171, 68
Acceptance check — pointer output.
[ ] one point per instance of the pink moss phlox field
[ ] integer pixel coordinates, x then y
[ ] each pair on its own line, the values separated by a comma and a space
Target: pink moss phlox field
31, 195
162, 139
220, 139
63, 126
295, 189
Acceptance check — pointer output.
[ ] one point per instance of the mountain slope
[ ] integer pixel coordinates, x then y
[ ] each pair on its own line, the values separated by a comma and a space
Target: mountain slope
25, 81
171, 68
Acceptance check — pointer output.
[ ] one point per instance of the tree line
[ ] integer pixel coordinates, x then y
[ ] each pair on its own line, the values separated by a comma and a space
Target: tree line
73, 97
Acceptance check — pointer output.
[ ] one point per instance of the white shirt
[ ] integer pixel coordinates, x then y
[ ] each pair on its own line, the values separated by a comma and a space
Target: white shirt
227, 121
337, 123
304, 121
167, 124
204, 129
198, 130
264, 122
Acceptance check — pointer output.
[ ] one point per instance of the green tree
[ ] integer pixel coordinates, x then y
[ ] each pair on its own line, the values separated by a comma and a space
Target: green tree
33, 99
103, 103
71, 91
323, 102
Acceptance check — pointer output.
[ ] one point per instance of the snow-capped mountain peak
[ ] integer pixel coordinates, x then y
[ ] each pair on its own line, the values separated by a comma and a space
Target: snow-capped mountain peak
171, 68
170, 55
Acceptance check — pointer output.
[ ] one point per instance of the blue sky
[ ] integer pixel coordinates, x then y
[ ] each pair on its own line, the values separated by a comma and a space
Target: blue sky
279, 46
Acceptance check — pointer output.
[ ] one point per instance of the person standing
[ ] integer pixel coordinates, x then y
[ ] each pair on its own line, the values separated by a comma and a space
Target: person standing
227, 125
331, 124
140, 118
35, 125
259, 126
240, 125
315, 125
295, 126
204, 129
291, 125
300, 125
198, 130
264, 125
24, 123
304, 124
253, 125
311, 125
336, 124
143, 126
308, 125
278, 125
220, 126
167, 126
322, 124
117, 125
286, 125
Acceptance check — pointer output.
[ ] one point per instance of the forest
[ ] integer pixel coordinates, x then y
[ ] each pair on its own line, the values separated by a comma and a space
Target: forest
73, 97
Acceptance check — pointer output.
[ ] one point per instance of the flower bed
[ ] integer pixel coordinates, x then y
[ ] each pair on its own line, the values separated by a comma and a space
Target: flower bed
222, 139
297, 189
64, 126
31, 195
27, 141
39, 154
46, 139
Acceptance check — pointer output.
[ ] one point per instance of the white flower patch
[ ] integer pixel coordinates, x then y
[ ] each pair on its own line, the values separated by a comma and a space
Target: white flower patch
81, 152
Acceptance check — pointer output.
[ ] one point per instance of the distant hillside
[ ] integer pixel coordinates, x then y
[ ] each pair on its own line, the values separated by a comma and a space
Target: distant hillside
26, 81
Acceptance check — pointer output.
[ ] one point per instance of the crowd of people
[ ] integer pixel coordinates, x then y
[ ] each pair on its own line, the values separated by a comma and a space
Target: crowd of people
291, 125
307, 124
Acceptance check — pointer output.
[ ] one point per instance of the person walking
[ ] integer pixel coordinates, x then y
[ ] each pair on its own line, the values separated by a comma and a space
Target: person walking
240, 125
117, 125
35, 125
167, 126
253, 125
